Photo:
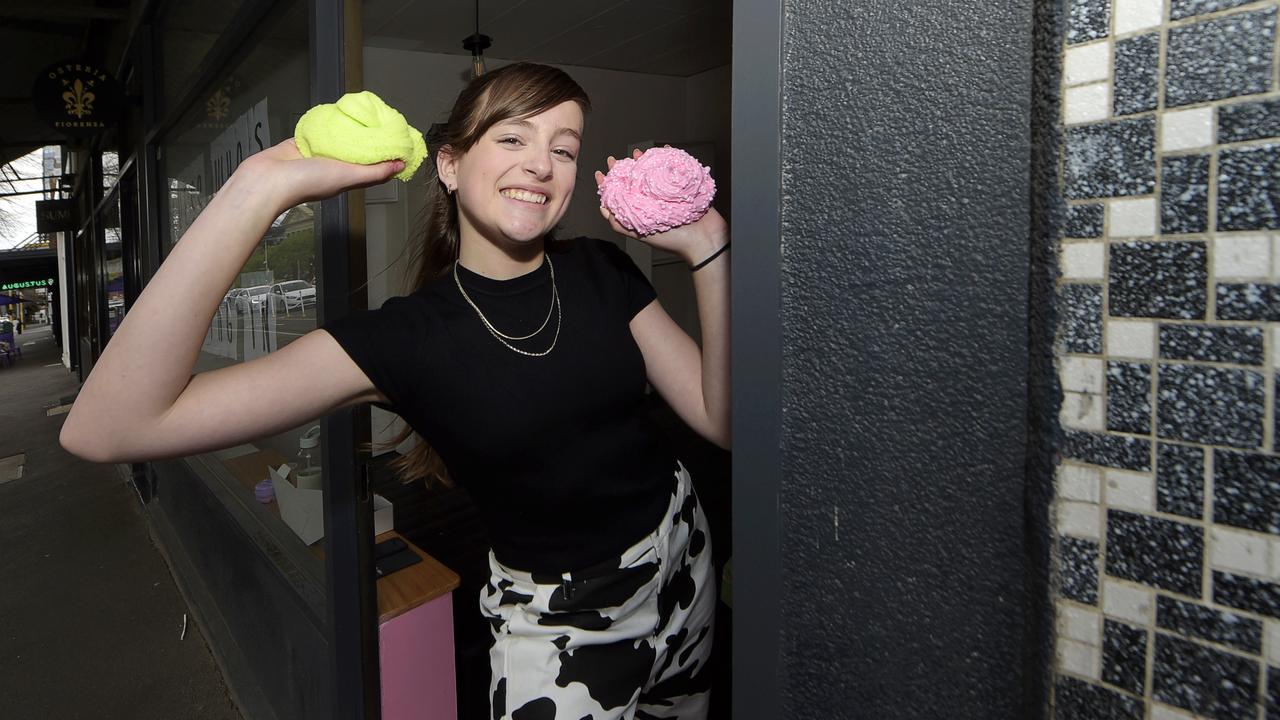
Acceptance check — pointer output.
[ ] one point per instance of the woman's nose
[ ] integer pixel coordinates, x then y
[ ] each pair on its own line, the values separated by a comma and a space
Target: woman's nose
538, 164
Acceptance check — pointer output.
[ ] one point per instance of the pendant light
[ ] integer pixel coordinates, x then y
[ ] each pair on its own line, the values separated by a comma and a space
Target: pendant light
476, 44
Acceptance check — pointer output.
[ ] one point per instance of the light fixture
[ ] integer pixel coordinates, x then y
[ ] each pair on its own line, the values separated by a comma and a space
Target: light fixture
476, 44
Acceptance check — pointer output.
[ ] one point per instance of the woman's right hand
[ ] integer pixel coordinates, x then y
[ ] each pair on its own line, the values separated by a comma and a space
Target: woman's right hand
294, 180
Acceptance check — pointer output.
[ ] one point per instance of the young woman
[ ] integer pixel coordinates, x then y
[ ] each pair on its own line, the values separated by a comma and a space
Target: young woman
519, 360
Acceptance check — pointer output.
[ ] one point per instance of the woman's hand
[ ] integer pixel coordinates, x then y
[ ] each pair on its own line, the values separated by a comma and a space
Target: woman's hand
291, 179
693, 242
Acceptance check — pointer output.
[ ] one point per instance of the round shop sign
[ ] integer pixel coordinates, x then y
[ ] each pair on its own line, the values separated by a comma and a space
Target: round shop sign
77, 98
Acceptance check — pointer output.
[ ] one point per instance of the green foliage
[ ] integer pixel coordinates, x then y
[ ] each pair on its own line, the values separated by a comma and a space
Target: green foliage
293, 258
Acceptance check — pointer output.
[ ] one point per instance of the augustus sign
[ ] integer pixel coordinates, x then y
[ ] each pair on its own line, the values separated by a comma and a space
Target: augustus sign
47, 282
77, 98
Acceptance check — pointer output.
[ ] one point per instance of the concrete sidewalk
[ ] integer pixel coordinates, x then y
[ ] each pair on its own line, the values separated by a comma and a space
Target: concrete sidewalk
90, 618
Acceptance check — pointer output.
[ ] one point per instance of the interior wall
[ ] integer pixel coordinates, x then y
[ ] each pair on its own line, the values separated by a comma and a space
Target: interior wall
708, 115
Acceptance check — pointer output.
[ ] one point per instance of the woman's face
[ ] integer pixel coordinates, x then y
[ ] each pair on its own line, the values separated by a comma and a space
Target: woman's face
514, 184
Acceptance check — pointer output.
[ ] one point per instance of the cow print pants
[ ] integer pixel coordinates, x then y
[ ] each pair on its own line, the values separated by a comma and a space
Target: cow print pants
630, 638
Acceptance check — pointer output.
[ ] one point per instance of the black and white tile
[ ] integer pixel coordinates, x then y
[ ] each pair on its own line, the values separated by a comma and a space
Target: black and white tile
1168, 509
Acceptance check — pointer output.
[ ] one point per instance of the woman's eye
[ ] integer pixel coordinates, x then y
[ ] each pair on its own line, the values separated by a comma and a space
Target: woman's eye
566, 153
510, 140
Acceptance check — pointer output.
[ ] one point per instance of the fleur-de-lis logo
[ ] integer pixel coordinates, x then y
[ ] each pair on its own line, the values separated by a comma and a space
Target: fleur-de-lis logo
79, 100
218, 105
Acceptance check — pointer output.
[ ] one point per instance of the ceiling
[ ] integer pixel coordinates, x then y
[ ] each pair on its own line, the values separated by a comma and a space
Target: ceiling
661, 37
664, 37
35, 34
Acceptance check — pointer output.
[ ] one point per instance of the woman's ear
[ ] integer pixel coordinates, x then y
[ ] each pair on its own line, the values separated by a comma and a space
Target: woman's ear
446, 167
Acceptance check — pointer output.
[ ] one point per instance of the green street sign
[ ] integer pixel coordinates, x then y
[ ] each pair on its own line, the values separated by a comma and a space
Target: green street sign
27, 284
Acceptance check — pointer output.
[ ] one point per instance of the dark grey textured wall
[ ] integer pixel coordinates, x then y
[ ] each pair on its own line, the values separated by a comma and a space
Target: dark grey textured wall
905, 272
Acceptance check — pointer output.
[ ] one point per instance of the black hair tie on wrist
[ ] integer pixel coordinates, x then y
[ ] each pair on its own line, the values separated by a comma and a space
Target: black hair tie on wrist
714, 255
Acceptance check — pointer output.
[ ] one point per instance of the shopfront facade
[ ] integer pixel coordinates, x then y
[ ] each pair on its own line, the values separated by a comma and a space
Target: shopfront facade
212, 84
291, 616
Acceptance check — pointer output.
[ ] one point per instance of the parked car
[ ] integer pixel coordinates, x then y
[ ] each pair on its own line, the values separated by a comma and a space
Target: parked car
246, 298
297, 294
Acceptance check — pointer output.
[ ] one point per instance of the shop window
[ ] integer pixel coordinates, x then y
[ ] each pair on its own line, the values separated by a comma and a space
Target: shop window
189, 30
273, 299
112, 265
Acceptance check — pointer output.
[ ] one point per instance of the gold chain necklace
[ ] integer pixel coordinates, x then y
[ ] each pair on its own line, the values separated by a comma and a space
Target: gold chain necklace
502, 338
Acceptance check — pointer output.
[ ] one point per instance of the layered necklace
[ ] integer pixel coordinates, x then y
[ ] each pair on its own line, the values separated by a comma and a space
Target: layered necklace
502, 337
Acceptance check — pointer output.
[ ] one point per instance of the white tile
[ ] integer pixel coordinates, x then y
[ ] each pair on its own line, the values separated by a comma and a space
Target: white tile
1164, 712
1079, 520
1240, 551
1272, 640
1087, 63
1081, 374
1131, 338
1132, 218
1275, 558
1077, 658
1275, 257
1134, 15
1275, 347
1186, 129
1078, 624
1127, 602
1076, 482
1082, 260
1082, 411
1130, 490
1086, 103
1242, 256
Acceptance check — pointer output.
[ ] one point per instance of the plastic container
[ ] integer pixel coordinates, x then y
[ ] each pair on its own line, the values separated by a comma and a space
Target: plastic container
307, 474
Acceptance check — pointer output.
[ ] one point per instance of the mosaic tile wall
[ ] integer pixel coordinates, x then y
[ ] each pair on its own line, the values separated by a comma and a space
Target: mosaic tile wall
1168, 494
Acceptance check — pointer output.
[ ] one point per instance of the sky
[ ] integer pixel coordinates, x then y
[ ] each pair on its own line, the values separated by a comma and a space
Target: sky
23, 207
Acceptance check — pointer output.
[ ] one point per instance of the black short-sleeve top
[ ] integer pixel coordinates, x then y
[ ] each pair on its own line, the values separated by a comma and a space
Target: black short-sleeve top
556, 449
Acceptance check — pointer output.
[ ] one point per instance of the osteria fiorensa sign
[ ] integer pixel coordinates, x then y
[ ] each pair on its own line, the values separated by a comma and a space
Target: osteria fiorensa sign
77, 98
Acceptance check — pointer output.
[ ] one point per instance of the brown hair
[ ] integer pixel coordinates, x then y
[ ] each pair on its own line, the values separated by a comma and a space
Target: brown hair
515, 91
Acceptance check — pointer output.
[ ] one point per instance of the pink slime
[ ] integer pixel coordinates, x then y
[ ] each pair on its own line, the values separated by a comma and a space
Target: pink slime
662, 189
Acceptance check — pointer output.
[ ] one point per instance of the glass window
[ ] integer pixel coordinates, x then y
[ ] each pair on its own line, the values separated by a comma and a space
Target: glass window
110, 169
272, 300
188, 30
112, 267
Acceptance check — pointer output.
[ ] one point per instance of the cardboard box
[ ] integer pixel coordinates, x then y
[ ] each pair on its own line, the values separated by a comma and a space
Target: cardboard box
383, 515
303, 510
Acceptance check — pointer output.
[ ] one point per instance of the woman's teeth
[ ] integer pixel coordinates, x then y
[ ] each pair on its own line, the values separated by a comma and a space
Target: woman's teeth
524, 195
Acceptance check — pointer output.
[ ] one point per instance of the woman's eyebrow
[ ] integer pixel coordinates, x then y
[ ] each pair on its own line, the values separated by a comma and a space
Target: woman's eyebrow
529, 126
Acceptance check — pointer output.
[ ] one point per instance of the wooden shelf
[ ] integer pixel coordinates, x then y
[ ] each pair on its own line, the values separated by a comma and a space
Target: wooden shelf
406, 589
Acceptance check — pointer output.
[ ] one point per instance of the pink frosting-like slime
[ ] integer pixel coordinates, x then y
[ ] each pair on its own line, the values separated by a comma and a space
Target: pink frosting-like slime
662, 189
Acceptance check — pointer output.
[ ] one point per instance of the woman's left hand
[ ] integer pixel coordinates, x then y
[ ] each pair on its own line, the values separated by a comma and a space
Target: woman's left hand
693, 242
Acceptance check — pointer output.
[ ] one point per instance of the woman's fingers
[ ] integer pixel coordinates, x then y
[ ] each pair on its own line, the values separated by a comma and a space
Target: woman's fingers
380, 173
613, 223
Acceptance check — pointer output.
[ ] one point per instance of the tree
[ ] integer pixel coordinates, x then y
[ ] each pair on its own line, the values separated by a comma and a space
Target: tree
17, 212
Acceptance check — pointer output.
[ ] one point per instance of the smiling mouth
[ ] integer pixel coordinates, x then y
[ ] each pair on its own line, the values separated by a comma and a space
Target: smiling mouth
525, 196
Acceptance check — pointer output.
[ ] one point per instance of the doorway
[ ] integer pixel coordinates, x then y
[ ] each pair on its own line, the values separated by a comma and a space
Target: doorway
657, 73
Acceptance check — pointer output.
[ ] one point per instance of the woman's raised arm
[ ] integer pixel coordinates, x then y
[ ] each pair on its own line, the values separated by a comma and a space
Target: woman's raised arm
141, 401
